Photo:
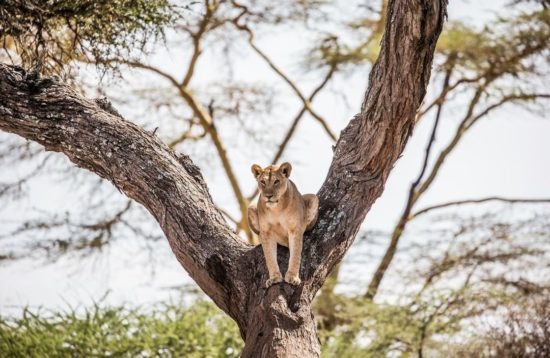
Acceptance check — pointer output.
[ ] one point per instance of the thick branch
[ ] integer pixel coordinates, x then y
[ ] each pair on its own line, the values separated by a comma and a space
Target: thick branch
171, 188
207, 123
139, 164
411, 200
373, 141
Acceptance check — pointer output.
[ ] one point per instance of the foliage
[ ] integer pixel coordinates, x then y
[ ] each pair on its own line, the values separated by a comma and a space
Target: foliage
382, 330
457, 296
365, 330
524, 332
56, 32
505, 47
500, 47
171, 331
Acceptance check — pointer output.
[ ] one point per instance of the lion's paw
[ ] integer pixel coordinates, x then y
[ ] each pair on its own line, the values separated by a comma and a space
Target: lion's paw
293, 279
273, 281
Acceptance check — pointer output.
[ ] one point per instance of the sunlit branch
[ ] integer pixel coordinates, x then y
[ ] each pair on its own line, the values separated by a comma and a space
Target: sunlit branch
196, 37
156, 70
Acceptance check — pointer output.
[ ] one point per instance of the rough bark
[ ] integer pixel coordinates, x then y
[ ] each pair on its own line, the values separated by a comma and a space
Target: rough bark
138, 163
276, 322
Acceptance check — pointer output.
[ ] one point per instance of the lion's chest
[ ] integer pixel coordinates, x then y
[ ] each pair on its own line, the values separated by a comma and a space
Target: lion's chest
276, 227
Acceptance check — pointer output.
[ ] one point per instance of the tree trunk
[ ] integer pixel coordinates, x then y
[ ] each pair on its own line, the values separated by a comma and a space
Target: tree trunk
280, 329
279, 321
276, 322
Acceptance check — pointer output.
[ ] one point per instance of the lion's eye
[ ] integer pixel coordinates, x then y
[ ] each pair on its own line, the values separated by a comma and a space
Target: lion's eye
277, 182
262, 182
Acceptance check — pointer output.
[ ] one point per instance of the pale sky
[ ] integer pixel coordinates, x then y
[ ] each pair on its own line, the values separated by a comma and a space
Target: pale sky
506, 154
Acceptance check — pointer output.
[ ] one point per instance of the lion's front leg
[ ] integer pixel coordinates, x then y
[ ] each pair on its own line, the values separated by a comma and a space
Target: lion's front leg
295, 242
269, 246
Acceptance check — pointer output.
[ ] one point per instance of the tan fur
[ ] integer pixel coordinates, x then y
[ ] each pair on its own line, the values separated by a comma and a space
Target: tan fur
281, 216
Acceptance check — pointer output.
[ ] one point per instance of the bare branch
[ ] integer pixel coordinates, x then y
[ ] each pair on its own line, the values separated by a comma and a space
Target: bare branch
421, 185
186, 135
13, 188
108, 224
298, 116
453, 143
369, 146
306, 102
467, 122
295, 121
478, 201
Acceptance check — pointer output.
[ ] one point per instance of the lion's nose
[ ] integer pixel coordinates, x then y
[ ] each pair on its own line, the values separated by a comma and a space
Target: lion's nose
269, 196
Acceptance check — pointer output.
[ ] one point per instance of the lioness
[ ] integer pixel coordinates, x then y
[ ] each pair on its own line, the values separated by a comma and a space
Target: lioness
281, 216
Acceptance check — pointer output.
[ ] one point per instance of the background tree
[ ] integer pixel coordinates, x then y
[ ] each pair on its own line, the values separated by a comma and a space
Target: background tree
190, 113
496, 66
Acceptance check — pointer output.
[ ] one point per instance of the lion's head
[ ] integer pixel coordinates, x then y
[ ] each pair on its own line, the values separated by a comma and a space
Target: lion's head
272, 182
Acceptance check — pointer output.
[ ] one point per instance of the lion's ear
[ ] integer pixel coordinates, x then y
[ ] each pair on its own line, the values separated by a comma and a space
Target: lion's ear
285, 168
256, 170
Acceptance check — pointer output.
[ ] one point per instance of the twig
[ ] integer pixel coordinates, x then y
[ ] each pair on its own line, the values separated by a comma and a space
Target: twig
306, 102
479, 201
295, 122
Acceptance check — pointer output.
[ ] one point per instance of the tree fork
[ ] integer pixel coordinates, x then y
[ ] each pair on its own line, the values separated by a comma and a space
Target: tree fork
276, 322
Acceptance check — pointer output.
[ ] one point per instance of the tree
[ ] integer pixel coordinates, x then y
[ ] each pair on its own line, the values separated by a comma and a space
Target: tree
450, 293
505, 58
487, 69
276, 322
43, 35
